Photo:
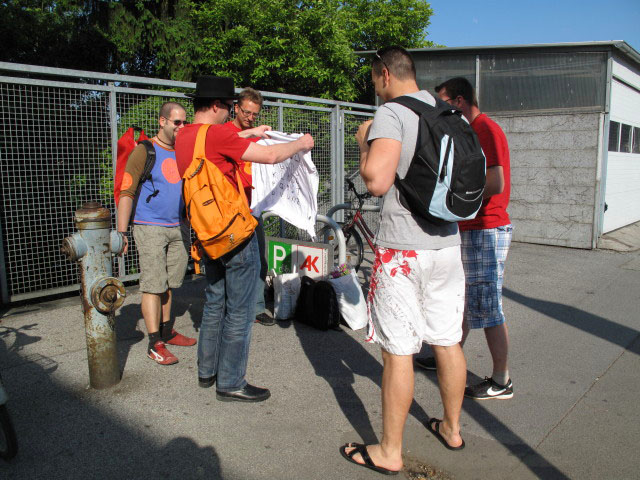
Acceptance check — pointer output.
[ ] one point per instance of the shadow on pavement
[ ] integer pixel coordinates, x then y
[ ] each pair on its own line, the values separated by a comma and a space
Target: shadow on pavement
337, 358
595, 325
538, 465
63, 433
130, 316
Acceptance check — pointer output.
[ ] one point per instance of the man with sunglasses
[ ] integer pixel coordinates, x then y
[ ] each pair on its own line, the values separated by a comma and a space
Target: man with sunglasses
231, 280
247, 109
161, 238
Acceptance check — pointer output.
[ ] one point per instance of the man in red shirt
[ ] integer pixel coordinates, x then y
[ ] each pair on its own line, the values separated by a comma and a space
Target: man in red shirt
247, 109
485, 244
229, 311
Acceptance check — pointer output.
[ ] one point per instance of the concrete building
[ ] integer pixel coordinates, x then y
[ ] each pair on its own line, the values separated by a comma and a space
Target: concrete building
571, 113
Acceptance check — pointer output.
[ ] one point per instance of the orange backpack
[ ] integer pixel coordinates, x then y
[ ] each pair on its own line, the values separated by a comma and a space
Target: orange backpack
219, 213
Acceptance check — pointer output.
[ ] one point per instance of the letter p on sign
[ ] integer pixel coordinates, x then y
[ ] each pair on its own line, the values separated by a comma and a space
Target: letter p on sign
279, 257
279, 253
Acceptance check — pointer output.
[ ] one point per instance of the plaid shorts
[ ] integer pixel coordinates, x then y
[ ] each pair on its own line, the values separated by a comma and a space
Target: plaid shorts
483, 255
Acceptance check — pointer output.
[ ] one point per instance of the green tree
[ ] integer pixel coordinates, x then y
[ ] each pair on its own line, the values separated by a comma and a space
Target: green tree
64, 34
302, 47
292, 46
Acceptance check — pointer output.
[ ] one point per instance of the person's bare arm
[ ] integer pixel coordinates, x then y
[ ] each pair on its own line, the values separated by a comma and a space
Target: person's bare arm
495, 181
125, 206
130, 179
255, 132
378, 161
271, 154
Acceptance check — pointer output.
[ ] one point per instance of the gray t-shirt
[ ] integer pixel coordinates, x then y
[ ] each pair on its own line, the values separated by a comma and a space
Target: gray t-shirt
398, 229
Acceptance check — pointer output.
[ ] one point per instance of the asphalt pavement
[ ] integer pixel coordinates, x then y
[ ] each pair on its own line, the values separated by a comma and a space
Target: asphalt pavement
574, 320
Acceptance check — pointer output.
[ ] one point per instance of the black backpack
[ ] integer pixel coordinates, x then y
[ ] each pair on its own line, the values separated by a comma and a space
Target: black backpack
440, 187
317, 305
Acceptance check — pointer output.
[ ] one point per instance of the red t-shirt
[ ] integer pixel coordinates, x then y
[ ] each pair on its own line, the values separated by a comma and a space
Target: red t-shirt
245, 167
223, 147
493, 212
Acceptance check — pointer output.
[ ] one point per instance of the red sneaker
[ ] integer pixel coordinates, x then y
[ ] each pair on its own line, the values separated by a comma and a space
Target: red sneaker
161, 355
181, 340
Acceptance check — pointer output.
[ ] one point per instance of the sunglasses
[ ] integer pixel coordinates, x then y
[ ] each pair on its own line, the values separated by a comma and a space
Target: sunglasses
177, 123
383, 62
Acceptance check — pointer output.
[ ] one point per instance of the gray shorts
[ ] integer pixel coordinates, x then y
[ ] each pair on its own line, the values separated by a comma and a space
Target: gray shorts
163, 256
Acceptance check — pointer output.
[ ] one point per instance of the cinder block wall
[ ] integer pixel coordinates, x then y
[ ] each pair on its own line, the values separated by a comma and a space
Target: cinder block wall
553, 177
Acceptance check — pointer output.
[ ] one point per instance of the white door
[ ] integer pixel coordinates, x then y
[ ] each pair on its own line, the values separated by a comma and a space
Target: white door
622, 194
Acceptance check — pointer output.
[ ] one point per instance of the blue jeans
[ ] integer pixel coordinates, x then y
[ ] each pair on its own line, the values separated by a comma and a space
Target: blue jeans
228, 316
260, 303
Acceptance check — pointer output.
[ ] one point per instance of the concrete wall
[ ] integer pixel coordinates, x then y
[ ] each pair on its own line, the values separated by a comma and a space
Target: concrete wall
554, 162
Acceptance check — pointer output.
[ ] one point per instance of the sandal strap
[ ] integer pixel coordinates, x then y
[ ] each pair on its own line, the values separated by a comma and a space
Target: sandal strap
361, 448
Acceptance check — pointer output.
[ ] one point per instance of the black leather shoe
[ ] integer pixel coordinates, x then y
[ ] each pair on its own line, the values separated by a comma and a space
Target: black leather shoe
206, 382
247, 394
265, 320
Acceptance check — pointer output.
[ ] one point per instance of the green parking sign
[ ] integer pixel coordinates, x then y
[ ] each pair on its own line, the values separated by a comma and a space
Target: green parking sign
296, 256
280, 257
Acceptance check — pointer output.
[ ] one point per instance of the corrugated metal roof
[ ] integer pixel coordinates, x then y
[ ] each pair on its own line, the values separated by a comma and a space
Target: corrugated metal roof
622, 46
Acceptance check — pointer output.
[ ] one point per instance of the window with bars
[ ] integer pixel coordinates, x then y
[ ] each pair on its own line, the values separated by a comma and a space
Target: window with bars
623, 138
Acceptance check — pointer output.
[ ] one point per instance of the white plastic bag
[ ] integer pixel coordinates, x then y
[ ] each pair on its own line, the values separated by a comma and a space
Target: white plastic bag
353, 307
286, 288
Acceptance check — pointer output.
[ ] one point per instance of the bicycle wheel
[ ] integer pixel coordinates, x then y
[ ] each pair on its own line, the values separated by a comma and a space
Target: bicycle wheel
8, 441
354, 245
355, 248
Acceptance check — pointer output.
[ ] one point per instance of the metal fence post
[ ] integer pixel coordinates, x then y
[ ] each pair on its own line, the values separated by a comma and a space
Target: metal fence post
113, 125
282, 230
337, 159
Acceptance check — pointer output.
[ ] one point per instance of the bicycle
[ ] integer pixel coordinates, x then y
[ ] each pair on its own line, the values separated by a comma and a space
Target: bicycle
353, 223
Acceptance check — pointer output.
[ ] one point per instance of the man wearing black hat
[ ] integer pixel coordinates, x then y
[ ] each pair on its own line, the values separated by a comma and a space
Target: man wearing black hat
228, 313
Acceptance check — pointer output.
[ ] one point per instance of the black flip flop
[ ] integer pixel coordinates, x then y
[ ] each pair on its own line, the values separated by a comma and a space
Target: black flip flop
368, 463
434, 427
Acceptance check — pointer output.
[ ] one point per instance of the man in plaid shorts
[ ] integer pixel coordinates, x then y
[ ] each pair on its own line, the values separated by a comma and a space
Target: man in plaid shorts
485, 243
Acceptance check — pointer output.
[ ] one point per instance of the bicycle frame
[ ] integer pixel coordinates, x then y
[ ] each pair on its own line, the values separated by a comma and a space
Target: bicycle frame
359, 222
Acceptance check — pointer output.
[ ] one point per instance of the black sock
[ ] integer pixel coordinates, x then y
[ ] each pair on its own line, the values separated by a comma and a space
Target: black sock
166, 330
153, 338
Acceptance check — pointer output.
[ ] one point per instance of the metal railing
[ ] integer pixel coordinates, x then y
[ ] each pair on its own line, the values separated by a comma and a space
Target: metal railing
58, 146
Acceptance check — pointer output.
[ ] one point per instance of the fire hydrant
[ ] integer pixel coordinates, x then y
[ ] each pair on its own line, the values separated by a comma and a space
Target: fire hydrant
93, 246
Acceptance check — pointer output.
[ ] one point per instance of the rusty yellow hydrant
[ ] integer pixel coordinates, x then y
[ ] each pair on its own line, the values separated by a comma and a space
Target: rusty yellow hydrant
92, 246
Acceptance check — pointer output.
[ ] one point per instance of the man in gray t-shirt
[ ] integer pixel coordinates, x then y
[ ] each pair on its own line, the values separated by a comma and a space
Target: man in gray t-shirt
416, 291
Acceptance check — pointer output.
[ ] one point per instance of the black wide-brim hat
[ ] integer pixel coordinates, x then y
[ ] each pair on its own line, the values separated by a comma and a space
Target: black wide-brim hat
209, 86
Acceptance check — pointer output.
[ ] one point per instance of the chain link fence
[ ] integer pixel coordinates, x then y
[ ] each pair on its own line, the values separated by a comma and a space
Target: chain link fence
57, 152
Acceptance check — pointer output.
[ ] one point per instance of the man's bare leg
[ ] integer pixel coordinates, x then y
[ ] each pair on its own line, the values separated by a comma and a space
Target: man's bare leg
465, 332
165, 300
151, 311
452, 377
397, 395
498, 341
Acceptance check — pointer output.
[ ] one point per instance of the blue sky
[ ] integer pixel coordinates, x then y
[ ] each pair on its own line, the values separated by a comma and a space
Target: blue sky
499, 22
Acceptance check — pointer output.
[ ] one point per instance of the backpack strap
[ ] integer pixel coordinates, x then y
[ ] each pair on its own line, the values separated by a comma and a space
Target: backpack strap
148, 167
199, 154
201, 137
149, 163
421, 108
198, 160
